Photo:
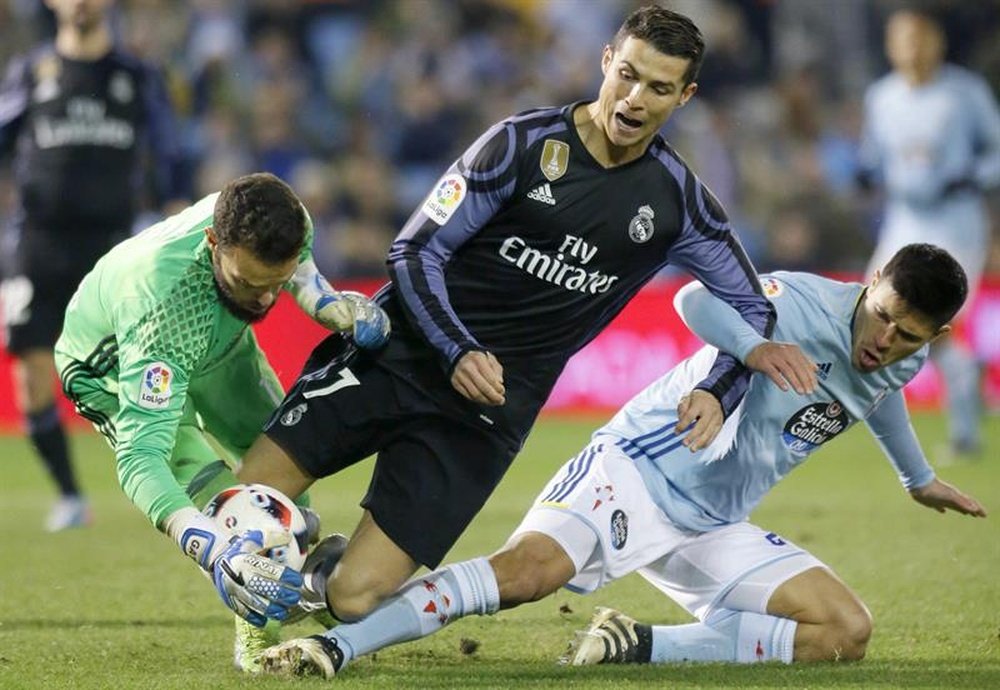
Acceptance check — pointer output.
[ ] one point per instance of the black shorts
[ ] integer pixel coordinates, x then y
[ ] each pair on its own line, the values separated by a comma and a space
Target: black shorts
437, 459
33, 309
40, 278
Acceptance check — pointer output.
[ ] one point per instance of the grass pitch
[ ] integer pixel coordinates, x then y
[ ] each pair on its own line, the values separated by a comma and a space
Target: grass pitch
116, 606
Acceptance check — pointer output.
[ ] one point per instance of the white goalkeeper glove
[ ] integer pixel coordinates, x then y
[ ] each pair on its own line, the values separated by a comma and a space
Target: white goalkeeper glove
253, 586
354, 314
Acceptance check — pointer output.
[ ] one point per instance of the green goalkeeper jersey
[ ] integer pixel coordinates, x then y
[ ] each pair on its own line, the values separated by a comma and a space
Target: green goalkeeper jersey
145, 324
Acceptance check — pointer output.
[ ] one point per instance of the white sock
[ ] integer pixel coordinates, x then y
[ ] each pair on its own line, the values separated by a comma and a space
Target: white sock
738, 636
421, 607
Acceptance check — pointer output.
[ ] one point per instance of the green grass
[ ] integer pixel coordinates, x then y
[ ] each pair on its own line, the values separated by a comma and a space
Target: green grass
116, 606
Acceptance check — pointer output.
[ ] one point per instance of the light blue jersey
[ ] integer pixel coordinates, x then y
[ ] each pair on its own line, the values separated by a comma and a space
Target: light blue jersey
771, 432
936, 146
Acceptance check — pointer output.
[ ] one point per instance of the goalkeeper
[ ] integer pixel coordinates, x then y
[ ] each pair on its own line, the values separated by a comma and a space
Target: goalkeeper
157, 352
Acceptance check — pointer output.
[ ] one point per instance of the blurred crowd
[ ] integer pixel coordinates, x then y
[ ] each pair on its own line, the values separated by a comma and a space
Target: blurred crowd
361, 104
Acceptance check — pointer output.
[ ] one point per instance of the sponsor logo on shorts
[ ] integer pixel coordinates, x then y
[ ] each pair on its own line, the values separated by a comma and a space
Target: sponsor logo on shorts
445, 198
294, 415
619, 529
154, 391
814, 425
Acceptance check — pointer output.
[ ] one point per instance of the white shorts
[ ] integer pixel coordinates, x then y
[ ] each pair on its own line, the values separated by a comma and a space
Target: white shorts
598, 509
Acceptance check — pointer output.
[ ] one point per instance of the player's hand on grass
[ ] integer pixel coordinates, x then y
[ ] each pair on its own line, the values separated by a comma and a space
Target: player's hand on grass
252, 585
704, 411
785, 364
943, 496
478, 376
355, 315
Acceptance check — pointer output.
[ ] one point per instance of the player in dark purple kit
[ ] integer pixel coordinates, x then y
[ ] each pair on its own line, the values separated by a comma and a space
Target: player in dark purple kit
525, 249
79, 115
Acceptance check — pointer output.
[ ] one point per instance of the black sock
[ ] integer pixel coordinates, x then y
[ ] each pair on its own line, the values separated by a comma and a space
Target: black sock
47, 435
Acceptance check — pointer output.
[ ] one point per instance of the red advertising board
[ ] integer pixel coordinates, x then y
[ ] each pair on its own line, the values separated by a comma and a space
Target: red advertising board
645, 340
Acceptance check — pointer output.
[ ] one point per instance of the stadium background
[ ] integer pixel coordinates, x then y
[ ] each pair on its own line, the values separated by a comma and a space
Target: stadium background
360, 105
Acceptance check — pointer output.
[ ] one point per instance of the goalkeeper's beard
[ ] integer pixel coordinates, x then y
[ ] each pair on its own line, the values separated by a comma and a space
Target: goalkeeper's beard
245, 314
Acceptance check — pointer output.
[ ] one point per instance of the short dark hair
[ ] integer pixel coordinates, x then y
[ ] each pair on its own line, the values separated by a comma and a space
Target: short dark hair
260, 213
669, 32
929, 280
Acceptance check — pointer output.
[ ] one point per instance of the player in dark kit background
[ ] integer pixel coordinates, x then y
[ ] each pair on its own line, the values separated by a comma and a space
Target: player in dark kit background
79, 116
525, 249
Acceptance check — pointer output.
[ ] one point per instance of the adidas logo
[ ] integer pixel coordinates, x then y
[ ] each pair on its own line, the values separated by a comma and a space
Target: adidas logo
824, 369
543, 193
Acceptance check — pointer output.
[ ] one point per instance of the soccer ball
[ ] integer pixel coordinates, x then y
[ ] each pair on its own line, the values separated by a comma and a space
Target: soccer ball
256, 506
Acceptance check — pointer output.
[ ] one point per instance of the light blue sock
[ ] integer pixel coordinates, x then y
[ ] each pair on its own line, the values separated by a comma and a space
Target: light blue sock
738, 636
421, 607
960, 376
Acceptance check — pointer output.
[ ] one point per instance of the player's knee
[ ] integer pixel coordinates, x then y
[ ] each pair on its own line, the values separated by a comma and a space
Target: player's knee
353, 596
848, 634
530, 569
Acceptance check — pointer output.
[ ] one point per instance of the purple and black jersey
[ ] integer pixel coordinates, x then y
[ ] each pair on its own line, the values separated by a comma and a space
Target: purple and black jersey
79, 130
528, 247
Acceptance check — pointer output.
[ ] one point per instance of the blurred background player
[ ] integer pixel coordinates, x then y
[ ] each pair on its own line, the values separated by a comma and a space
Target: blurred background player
84, 118
637, 499
932, 138
157, 352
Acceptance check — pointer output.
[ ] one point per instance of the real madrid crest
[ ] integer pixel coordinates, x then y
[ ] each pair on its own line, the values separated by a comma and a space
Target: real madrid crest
641, 228
554, 160
292, 417
121, 87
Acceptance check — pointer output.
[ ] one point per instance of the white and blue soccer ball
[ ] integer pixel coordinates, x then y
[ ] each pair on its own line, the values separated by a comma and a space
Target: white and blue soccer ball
256, 506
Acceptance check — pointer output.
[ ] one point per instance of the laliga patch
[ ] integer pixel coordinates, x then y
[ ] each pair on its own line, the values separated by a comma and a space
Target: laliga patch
154, 391
772, 288
619, 529
446, 197
814, 425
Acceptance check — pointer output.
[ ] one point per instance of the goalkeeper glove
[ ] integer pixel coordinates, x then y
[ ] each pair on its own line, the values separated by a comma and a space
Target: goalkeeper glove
355, 315
253, 586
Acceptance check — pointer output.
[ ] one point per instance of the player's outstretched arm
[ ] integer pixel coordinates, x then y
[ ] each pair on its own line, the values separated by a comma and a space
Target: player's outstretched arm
253, 586
942, 496
349, 313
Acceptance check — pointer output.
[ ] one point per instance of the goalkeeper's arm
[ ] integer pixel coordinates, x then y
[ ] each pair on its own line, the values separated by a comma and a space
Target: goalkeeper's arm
252, 585
349, 313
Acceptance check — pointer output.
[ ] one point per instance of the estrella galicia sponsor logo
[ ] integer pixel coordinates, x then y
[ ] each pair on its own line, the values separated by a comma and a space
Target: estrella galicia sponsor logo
559, 268
445, 198
814, 425
619, 529
641, 228
294, 415
154, 390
